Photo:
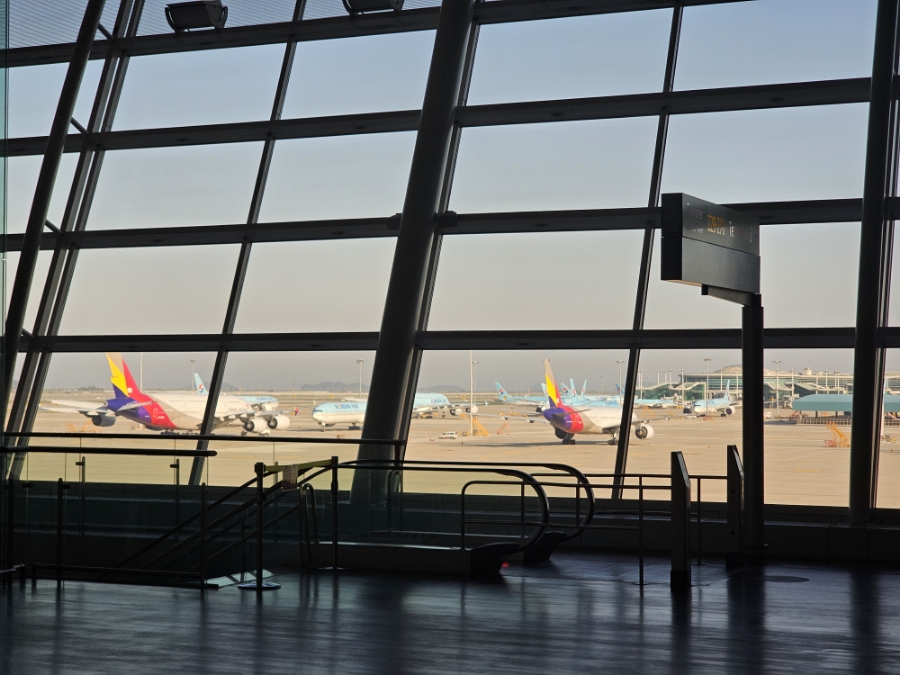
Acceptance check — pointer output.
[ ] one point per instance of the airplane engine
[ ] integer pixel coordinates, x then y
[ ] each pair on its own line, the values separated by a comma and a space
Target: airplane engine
267, 407
644, 431
474, 409
279, 422
103, 420
456, 411
729, 410
539, 409
256, 425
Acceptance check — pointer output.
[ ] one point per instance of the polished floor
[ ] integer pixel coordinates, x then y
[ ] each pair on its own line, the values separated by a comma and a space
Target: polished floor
580, 614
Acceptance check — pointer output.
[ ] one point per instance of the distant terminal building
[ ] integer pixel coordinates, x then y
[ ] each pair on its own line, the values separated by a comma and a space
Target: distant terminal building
788, 384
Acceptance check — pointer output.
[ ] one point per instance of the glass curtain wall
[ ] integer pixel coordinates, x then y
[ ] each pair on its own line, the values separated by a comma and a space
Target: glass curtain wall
231, 238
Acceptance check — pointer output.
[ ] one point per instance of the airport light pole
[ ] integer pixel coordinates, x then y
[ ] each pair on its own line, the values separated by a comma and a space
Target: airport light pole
706, 391
360, 363
776, 362
619, 383
471, 392
682, 386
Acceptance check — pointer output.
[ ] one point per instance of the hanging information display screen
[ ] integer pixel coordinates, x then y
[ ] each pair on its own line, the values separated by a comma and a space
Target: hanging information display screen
705, 244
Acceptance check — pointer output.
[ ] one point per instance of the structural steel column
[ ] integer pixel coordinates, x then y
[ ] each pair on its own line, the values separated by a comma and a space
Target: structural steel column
395, 358
240, 274
871, 304
31, 245
752, 426
640, 305
442, 210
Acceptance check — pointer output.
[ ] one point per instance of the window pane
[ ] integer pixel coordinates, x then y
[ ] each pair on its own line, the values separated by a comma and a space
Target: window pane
507, 427
601, 55
37, 283
313, 286
769, 41
201, 87
366, 74
767, 155
150, 290
672, 392
568, 165
34, 94
310, 179
807, 453
23, 176
820, 293
165, 187
290, 384
888, 488
83, 382
534, 281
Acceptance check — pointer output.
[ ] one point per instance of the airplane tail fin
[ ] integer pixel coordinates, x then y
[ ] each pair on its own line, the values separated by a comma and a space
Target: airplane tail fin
552, 392
584, 388
199, 387
501, 392
572, 388
123, 383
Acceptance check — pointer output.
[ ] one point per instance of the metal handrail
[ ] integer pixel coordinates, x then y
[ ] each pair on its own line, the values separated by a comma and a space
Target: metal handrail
542, 498
575, 473
466, 467
210, 437
69, 450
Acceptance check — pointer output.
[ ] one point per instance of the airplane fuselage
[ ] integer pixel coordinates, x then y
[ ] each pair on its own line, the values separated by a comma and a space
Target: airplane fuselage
180, 412
354, 412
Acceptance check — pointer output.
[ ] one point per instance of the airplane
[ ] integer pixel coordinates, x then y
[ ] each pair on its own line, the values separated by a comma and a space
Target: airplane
167, 412
570, 420
539, 403
722, 404
650, 402
353, 412
267, 403
509, 399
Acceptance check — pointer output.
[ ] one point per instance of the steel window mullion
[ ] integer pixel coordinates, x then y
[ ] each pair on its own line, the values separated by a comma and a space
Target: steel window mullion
868, 358
640, 305
240, 274
488, 340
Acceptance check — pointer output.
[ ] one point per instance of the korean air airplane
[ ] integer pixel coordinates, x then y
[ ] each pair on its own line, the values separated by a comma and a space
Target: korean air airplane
568, 420
266, 403
706, 406
353, 413
168, 412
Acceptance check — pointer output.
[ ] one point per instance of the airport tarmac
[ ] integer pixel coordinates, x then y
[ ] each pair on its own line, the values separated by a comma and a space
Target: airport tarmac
801, 468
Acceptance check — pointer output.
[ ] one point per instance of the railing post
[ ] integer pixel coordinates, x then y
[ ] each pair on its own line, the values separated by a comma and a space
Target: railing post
734, 555
82, 470
641, 529
681, 520
10, 523
260, 501
258, 584
60, 519
177, 467
202, 535
334, 514
699, 523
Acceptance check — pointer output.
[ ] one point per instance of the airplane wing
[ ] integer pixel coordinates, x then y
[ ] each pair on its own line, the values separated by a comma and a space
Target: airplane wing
88, 409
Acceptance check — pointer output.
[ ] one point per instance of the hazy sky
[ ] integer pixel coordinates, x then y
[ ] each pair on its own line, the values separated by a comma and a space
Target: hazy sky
569, 280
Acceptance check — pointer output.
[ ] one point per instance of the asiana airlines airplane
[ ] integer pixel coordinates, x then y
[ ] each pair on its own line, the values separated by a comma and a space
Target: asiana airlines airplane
168, 412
